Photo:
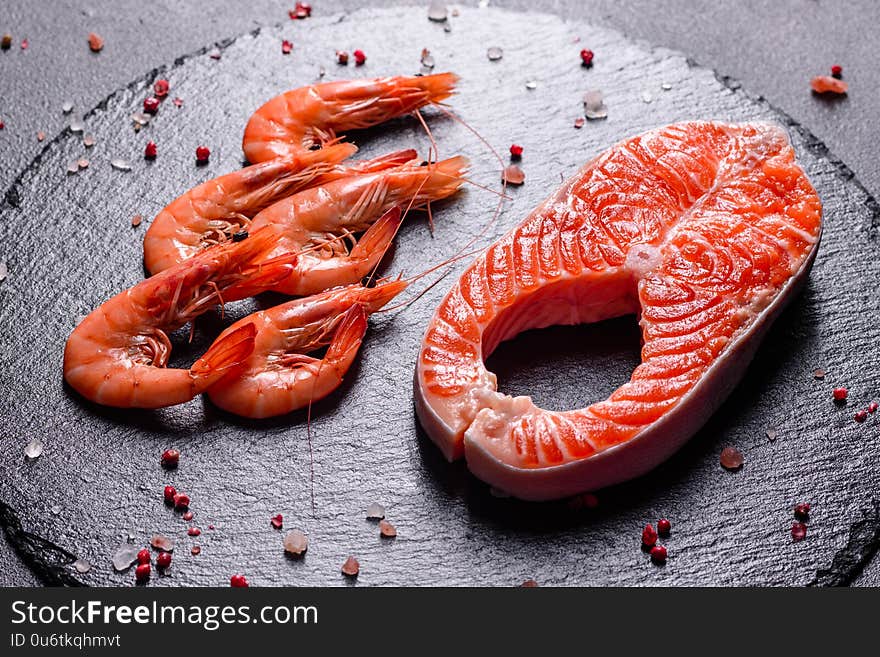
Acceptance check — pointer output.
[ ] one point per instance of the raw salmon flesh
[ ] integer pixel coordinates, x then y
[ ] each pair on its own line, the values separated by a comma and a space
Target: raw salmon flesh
705, 230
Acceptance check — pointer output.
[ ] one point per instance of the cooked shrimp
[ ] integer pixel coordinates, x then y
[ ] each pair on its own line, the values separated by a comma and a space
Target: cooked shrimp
302, 118
117, 355
279, 376
313, 222
217, 209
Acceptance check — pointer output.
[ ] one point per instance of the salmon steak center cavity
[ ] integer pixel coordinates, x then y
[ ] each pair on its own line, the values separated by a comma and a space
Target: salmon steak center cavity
704, 230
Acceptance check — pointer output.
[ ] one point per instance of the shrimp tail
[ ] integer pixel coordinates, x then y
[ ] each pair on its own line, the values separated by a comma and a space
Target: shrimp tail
437, 87
373, 243
446, 176
226, 353
347, 339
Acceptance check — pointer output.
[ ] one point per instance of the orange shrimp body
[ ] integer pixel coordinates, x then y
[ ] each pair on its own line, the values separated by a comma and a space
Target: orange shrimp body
117, 355
315, 221
301, 118
215, 210
279, 377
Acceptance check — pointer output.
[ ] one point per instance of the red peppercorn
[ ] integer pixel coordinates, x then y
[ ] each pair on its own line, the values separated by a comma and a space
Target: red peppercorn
861, 415
658, 554
142, 572
203, 153
516, 151
238, 581
802, 511
181, 501
143, 556
170, 457
872, 407
151, 105
837, 70
163, 560
286, 47
194, 531
586, 57
798, 531
840, 394
160, 88
188, 515
649, 536
359, 57
664, 527
170, 493
150, 153
2, 125
342, 57
277, 521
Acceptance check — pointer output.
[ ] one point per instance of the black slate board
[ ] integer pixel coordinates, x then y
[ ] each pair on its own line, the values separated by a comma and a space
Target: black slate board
69, 245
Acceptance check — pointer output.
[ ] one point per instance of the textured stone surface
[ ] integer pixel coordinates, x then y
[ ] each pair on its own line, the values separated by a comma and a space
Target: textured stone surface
69, 244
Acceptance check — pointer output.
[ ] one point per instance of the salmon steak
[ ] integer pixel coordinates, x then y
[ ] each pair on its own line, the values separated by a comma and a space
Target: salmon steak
704, 230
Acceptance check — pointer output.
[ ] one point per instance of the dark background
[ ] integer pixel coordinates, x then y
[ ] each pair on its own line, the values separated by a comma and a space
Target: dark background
772, 47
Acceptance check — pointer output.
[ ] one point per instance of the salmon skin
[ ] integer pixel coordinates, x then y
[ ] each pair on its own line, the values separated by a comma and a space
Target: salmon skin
705, 230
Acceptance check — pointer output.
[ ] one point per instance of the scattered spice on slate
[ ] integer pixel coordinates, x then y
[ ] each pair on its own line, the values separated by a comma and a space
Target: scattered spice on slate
76, 125
771, 434
359, 57
819, 373
178, 102
427, 59
203, 154
238, 582
142, 572
825, 84
163, 560
160, 542
41, 135
295, 542
386, 529
73, 167
96, 43
375, 511
802, 511
649, 536
300, 11
160, 88
143, 556
6, 41
798, 531
579, 122
286, 47
594, 105
194, 531
840, 394
210, 526
587, 57
2, 125
529, 584
83, 163
513, 175
277, 521
140, 119
437, 11
731, 458
494, 53
195, 550
125, 555
215, 54
34, 449
647, 97
872, 407
188, 516
82, 566
67, 107
664, 527
531, 84
136, 220
170, 458
861, 415
351, 567
120, 164
168, 494
24, 44
151, 104
666, 86
516, 151
150, 150
342, 57
659, 554
837, 71
181, 501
